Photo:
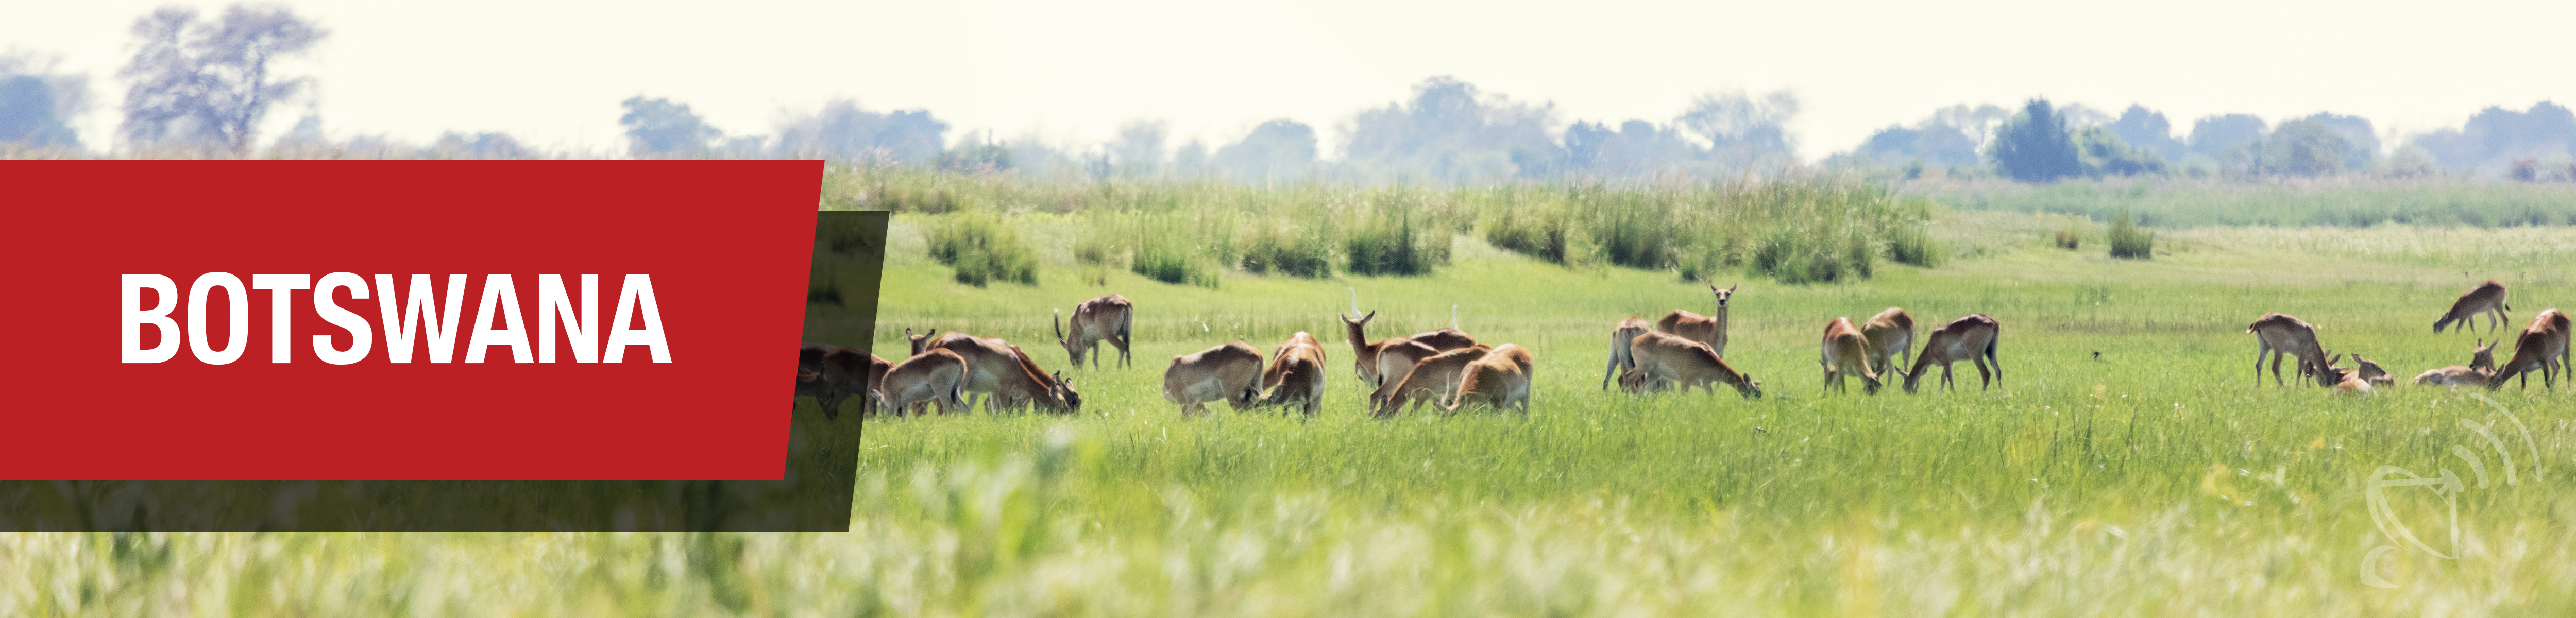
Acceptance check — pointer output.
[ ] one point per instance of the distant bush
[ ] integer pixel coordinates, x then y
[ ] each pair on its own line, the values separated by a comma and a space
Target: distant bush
2350, 202
2069, 240
982, 249
1297, 253
2128, 241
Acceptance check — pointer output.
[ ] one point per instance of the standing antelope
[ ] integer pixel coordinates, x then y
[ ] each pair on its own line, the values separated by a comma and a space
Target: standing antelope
1627, 331
2487, 298
1230, 372
936, 376
2541, 347
1107, 318
1890, 333
1501, 380
831, 374
1664, 358
1432, 380
1296, 374
2280, 335
1846, 351
2481, 366
1971, 338
1709, 329
1365, 354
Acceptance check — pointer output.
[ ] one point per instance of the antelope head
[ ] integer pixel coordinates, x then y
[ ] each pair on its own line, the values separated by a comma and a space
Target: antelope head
1722, 294
1750, 387
1064, 390
920, 340
1070, 347
2484, 356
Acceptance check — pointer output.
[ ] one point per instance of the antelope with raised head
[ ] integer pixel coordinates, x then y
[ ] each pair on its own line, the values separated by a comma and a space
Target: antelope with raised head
1107, 318
1230, 372
831, 374
2541, 347
934, 377
1846, 352
1627, 331
2487, 298
1365, 353
2347, 380
1664, 359
921, 342
1296, 374
1433, 380
1709, 329
2281, 335
2481, 366
1970, 338
1890, 333
1003, 376
1499, 380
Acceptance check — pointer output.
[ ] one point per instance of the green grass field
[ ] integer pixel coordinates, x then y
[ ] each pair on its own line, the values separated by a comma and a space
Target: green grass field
2127, 464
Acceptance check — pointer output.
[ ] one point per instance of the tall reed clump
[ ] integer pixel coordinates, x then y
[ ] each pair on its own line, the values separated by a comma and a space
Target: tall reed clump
1397, 235
1794, 231
2128, 241
983, 249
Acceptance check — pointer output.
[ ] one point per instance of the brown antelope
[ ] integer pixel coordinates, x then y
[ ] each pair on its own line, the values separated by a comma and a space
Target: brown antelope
2368, 371
1500, 380
1662, 358
1890, 333
1395, 359
1709, 329
2481, 366
2346, 380
921, 342
1971, 338
2542, 347
937, 376
2280, 335
2487, 298
1433, 380
1365, 354
1003, 376
1230, 372
1107, 318
1846, 352
831, 374
1296, 374
1627, 331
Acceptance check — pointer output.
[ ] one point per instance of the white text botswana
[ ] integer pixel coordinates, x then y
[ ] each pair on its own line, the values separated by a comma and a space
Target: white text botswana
417, 316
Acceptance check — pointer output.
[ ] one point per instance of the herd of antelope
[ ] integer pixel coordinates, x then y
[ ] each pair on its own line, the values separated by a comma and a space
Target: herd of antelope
1450, 370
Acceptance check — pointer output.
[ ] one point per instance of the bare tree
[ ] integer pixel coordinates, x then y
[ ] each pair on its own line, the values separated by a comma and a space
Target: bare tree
210, 82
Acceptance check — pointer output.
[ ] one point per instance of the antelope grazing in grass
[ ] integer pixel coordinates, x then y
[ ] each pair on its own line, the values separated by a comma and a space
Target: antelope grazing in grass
1230, 372
1709, 329
1003, 376
1433, 380
1296, 374
831, 374
2487, 298
937, 376
1627, 331
1365, 354
1499, 380
1107, 318
2280, 335
1846, 351
2481, 366
2542, 347
1662, 358
1397, 358
1890, 333
1971, 338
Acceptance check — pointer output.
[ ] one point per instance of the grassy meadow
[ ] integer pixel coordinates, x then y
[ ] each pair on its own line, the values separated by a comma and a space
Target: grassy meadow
2126, 464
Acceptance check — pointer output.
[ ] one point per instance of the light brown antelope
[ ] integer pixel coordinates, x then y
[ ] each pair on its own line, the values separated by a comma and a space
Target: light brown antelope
831, 374
1003, 376
1663, 358
921, 342
1395, 359
1230, 372
1365, 353
1296, 374
2346, 380
933, 377
1107, 318
2487, 298
1499, 380
2368, 371
2481, 366
1970, 338
2542, 347
1846, 352
1627, 331
1709, 329
1433, 380
1890, 333
2281, 335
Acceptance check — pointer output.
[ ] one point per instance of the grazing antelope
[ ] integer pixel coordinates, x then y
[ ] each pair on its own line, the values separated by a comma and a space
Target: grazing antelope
1230, 372
1296, 374
1500, 380
1890, 333
937, 376
1395, 359
1433, 380
831, 374
2487, 298
1365, 354
1003, 376
1709, 329
2281, 335
2481, 366
1662, 358
1971, 338
1846, 351
2541, 347
1627, 331
1107, 318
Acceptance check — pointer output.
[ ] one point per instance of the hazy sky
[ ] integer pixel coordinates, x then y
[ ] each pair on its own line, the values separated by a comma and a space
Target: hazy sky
552, 73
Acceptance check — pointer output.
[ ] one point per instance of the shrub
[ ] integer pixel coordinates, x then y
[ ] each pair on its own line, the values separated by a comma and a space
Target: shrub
1912, 244
1300, 254
2128, 241
2069, 240
982, 248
